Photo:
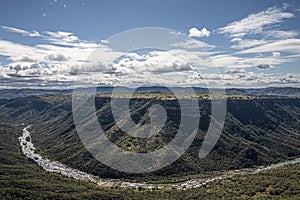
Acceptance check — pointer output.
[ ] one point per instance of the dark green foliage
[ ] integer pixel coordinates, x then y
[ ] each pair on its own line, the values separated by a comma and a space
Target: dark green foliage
244, 142
21, 178
256, 132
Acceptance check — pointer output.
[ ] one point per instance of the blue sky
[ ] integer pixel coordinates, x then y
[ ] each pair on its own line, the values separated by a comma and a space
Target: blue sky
253, 43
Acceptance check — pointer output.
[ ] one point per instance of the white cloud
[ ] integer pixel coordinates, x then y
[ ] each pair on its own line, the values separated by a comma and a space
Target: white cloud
254, 34
104, 41
61, 37
255, 23
68, 39
56, 57
287, 45
66, 58
58, 37
264, 66
236, 40
23, 32
11, 49
192, 44
235, 61
276, 54
229, 61
279, 34
133, 69
252, 79
25, 59
194, 32
246, 43
235, 71
154, 62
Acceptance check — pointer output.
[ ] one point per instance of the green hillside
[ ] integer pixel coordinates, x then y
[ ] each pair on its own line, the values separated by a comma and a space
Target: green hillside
21, 178
257, 132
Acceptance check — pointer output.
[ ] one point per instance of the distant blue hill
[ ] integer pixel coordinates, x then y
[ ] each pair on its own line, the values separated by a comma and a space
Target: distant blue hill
270, 91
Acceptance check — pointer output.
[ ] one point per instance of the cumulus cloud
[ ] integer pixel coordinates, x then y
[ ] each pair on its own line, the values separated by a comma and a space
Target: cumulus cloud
104, 41
235, 71
264, 66
56, 57
249, 79
16, 67
194, 32
153, 62
50, 62
63, 59
25, 59
276, 54
252, 79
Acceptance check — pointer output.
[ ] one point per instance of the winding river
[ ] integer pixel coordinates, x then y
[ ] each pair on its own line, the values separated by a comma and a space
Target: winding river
53, 166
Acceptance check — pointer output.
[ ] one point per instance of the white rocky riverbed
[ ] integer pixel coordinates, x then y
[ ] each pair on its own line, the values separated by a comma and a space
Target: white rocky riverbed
57, 167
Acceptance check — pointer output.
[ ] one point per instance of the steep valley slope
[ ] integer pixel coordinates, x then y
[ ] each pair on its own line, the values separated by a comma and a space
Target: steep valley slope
257, 132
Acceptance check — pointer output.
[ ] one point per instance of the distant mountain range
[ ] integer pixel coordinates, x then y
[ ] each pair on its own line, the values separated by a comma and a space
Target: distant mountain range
270, 91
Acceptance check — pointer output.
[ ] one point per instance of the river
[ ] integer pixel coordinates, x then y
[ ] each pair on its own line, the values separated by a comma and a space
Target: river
28, 150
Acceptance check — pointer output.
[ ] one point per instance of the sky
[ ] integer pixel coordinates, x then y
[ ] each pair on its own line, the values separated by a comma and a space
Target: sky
64, 44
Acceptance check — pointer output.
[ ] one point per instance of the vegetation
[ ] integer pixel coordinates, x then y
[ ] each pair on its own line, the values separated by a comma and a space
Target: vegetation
256, 132
21, 178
